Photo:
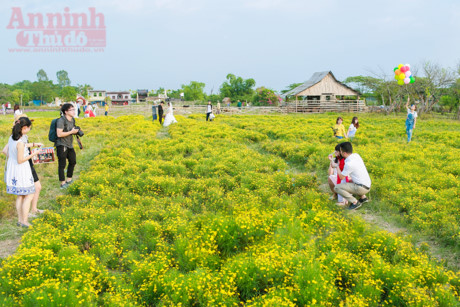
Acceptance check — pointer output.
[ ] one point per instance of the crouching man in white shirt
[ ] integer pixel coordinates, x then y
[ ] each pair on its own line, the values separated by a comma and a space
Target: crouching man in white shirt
356, 170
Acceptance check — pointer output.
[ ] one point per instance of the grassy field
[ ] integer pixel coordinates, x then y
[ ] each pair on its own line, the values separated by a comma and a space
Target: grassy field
235, 212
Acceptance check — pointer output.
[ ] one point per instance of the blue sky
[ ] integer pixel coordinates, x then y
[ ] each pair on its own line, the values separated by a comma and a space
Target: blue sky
153, 43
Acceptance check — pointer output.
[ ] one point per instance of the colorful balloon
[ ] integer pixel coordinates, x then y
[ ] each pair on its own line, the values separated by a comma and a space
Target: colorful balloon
403, 75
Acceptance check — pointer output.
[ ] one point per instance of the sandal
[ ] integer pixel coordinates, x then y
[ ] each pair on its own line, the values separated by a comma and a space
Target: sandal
22, 225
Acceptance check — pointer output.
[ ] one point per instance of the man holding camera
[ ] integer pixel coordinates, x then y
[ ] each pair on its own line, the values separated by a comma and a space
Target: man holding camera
65, 129
361, 181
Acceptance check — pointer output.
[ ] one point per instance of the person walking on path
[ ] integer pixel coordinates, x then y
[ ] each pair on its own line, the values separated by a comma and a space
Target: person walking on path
411, 120
356, 170
65, 129
18, 174
208, 110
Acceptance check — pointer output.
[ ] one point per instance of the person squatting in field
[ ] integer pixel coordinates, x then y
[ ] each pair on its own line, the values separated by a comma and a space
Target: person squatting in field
336, 160
356, 170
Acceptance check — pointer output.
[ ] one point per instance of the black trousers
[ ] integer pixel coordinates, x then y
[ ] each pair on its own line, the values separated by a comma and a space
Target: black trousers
207, 116
160, 117
64, 154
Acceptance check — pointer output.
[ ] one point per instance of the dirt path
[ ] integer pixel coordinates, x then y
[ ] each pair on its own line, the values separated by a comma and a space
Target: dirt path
9, 247
380, 223
430, 246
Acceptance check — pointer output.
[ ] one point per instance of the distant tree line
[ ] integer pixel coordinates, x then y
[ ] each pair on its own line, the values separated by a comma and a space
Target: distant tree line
234, 87
436, 88
43, 89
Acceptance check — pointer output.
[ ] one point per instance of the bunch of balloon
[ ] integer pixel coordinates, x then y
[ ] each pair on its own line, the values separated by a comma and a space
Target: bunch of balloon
403, 74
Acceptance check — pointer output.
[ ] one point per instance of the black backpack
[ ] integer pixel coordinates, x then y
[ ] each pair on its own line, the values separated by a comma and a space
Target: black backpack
52, 134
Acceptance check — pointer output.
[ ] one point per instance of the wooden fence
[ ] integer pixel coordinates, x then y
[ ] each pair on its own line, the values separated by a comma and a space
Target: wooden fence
321, 106
314, 106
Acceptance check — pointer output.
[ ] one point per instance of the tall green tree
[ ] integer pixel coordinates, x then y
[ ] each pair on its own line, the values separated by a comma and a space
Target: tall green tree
43, 90
63, 78
194, 91
69, 93
42, 76
5, 93
435, 83
386, 91
237, 88
265, 96
17, 95
174, 93
83, 89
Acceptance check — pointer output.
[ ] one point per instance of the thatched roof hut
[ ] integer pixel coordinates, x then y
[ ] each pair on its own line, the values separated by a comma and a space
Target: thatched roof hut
321, 85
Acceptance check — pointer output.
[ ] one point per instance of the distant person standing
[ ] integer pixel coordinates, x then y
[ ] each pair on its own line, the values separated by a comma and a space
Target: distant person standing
239, 104
410, 120
353, 127
339, 129
160, 111
357, 171
208, 110
3, 109
218, 107
106, 109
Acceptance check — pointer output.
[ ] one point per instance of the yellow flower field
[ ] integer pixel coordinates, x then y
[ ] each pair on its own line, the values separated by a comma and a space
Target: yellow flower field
230, 212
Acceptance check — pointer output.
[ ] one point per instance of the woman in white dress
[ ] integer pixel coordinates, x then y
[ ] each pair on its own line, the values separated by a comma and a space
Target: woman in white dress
18, 174
169, 119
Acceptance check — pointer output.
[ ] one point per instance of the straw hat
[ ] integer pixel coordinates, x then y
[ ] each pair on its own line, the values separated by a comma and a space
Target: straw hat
17, 117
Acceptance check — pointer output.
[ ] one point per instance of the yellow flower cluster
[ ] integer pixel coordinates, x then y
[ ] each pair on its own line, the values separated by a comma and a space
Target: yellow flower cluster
219, 213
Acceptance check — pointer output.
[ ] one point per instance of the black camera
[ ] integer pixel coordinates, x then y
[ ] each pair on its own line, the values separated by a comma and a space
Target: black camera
80, 132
